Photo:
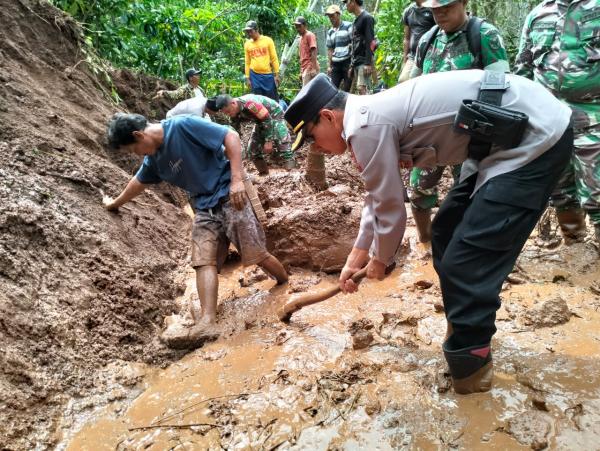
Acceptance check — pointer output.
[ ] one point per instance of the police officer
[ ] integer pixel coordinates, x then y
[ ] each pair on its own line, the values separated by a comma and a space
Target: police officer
486, 218
560, 48
457, 42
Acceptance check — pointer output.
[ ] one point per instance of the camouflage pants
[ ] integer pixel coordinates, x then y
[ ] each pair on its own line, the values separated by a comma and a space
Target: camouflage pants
579, 185
282, 142
423, 183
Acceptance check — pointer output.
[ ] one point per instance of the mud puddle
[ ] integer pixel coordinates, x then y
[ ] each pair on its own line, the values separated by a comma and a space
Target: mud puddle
269, 386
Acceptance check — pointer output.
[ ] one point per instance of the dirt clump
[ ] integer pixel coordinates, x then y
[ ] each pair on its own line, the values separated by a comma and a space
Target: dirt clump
530, 429
361, 333
551, 312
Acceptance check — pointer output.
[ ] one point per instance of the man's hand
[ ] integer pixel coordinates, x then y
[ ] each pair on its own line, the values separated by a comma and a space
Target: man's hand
277, 80
237, 194
109, 203
268, 147
350, 73
248, 83
354, 263
313, 73
329, 71
375, 269
159, 94
367, 70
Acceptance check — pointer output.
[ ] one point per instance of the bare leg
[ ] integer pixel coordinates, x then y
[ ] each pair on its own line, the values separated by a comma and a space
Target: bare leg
275, 268
207, 283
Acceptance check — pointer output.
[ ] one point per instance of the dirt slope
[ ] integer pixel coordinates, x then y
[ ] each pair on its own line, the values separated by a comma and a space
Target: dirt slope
79, 287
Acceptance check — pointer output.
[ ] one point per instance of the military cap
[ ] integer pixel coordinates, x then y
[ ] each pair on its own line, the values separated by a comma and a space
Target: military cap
191, 72
251, 25
307, 104
437, 3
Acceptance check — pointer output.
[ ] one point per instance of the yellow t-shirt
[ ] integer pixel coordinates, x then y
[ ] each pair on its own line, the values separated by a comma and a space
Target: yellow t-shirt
261, 56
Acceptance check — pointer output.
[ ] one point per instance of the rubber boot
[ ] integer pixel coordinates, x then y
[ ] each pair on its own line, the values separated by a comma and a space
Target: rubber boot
261, 166
423, 222
315, 170
471, 368
290, 164
572, 225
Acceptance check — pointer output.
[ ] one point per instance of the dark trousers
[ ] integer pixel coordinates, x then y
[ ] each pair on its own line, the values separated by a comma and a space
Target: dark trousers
476, 241
339, 75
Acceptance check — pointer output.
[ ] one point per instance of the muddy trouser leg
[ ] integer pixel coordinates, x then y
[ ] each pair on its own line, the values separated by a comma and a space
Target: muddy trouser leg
254, 152
339, 75
476, 241
586, 162
423, 183
315, 168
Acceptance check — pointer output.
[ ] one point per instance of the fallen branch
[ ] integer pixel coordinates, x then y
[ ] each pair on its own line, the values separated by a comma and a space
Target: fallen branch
174, 426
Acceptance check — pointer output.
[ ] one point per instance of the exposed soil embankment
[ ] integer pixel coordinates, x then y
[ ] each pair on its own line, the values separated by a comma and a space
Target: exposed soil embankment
79, 287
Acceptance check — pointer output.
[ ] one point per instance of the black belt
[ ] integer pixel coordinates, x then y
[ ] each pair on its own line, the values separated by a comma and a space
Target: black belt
222, 201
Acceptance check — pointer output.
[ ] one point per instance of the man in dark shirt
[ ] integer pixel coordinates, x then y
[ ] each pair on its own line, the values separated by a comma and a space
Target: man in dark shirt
363, 44
417, 21
205, 160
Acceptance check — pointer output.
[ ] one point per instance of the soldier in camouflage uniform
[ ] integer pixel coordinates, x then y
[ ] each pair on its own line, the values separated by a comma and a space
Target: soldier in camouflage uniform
449, 50
560, 48
187, 91
270, 133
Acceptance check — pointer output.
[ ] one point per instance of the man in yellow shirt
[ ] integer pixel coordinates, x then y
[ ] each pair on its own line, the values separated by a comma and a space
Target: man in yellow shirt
262, 65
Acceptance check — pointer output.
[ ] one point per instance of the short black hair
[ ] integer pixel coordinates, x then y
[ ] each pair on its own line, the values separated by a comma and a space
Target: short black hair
121, 127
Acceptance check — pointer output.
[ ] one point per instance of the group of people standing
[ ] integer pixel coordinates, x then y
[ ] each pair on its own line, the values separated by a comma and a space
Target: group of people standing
500, 189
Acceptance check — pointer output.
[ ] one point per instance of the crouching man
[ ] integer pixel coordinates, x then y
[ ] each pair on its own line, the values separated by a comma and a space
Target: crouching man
486, 218
204, 159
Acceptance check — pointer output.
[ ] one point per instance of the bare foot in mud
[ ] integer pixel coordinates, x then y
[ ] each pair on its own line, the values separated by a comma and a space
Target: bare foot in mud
178, 336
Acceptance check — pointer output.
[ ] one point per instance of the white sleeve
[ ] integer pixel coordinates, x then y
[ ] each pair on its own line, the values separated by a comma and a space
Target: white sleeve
376, 149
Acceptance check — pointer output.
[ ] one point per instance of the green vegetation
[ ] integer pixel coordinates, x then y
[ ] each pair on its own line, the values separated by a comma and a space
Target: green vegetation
164, 37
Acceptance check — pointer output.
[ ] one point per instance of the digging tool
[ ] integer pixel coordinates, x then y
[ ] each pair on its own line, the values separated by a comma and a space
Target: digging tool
297, 302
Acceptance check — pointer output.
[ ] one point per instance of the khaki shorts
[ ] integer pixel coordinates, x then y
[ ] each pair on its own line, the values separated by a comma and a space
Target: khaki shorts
306, 76
214, 229
406, 70
362, 79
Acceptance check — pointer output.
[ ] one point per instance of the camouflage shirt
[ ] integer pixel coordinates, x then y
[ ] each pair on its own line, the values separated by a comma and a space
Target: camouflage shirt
450, 51
560, 48
184, 92
266, 112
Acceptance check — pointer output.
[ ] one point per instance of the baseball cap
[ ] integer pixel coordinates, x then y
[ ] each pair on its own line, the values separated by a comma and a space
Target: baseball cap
437, 3
333, 9
251, 25
190, 72
307, 104
300, 21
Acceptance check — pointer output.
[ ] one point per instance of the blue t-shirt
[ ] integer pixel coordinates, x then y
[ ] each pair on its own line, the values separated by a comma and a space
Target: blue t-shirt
191, 157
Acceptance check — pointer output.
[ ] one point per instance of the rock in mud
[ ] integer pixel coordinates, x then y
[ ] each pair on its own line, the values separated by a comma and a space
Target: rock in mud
551, 312
361, 333
423, 284
251, 276
530, 429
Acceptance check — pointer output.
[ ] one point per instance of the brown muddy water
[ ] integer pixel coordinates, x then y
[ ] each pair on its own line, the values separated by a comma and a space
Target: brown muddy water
266, 385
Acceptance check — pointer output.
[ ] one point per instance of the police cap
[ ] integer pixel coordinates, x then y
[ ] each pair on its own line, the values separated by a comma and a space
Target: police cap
307, 104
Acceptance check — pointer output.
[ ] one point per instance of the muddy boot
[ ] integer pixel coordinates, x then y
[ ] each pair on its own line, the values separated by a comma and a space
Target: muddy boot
261, 166
290, 164
423, 222
572, 225
471, 369
315, 170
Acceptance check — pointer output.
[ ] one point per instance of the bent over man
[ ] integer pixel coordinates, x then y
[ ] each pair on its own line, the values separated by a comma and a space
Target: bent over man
270, 134
486, 218
204, 159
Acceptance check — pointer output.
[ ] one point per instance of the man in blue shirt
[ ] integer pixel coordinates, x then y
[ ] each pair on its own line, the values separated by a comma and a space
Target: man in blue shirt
205, 160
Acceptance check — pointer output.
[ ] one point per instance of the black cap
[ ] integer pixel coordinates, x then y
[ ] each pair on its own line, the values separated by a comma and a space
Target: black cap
251, 25
300, 21
217, 103
211, 104
191, 72
307, 104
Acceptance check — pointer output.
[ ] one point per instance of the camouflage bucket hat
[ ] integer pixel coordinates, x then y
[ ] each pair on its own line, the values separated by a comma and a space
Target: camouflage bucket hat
437, 3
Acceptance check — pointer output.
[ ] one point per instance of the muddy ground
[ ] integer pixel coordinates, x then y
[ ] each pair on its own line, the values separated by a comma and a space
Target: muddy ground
83, 295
